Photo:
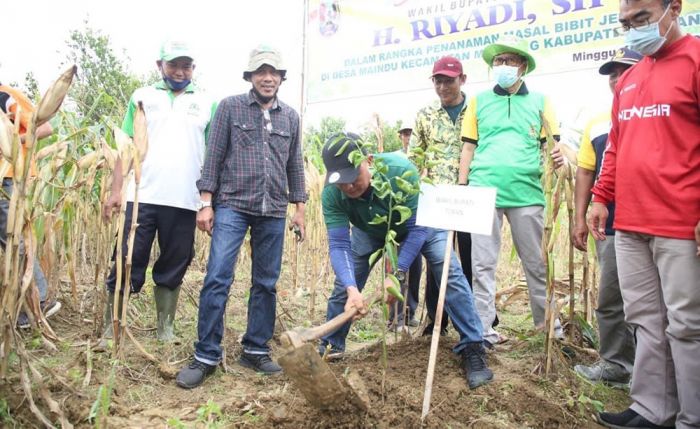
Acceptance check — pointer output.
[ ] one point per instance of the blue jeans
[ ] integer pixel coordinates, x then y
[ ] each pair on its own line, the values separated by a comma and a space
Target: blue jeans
39, 278
459, 300
266, 242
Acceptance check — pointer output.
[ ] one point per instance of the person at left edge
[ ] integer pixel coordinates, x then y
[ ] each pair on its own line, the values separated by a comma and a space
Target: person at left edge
253, 169
17, 106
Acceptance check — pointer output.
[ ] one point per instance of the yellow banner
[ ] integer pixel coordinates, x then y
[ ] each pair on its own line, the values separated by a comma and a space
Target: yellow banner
359, 48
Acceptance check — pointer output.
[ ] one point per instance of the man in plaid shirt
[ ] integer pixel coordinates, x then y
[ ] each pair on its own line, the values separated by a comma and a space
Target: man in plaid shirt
252, 170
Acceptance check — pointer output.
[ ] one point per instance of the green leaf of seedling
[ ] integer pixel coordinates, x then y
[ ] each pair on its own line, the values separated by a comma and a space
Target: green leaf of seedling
390, 251
391, 237
342, 148
393, 279
356, 157
404, 212
408, 174
380, 166
373, 258
404, 185
336, 140
382, 190
385, 311
395, 292
378, 220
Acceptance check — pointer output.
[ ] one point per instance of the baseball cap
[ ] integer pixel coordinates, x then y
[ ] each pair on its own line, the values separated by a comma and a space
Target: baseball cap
261, 55
448, 66
171, 49
339, 168
623, 55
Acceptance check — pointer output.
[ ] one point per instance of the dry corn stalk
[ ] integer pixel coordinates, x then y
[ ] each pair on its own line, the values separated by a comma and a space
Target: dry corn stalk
140, 132
52, 100
109, 154
569, 193
122, 140
88, 160
551, 191
50, 150
17, 278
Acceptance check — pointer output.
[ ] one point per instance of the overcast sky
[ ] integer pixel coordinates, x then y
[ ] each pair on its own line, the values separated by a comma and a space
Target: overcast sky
222, 33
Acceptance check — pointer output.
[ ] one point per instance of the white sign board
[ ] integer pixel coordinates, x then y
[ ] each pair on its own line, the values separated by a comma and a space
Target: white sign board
458, 208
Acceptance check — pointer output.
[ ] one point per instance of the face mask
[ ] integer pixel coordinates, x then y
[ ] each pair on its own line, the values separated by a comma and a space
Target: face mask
506, 76
647, 39
176, 85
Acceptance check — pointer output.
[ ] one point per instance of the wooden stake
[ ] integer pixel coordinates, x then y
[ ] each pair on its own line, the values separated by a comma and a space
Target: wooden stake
436, 326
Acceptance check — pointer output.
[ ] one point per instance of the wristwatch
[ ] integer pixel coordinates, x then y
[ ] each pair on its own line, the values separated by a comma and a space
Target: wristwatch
201, 204
400, 276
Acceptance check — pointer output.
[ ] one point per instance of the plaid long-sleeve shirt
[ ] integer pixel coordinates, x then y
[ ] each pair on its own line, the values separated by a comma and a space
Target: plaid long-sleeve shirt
253, 161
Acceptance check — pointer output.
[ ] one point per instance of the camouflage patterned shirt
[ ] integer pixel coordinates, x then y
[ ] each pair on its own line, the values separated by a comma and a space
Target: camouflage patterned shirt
434, 129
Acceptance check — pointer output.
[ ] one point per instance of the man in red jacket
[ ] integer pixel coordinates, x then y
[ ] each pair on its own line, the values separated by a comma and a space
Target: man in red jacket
651, 170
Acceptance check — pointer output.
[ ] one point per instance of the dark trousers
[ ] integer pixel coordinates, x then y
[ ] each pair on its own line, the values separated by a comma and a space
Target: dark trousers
432, 287
175, 228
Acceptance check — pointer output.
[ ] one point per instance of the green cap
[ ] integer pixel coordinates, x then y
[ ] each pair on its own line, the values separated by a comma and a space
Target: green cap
511, 45
172, 49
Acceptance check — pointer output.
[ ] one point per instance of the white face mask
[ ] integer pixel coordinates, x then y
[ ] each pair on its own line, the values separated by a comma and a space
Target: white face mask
647, 39
506, 76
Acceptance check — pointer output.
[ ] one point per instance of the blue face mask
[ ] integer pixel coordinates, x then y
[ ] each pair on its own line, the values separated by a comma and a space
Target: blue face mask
176, 85
505, 76
647, 39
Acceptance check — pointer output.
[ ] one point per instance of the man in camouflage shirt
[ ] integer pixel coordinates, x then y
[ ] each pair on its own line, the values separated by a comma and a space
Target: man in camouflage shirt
437, 128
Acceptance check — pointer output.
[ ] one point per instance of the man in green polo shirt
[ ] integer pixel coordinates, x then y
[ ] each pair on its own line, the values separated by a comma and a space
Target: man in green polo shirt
502, 133
350, 203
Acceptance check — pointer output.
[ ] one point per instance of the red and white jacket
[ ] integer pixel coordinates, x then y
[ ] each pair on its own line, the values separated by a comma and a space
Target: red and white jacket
651, 166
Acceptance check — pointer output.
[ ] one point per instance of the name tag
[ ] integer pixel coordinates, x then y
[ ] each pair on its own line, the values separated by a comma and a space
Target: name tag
458, 208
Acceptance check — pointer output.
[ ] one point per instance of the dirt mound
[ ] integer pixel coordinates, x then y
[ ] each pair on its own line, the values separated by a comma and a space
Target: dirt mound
512, 400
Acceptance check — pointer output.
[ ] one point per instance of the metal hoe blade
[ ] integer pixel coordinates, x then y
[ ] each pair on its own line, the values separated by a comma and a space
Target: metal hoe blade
321, 387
